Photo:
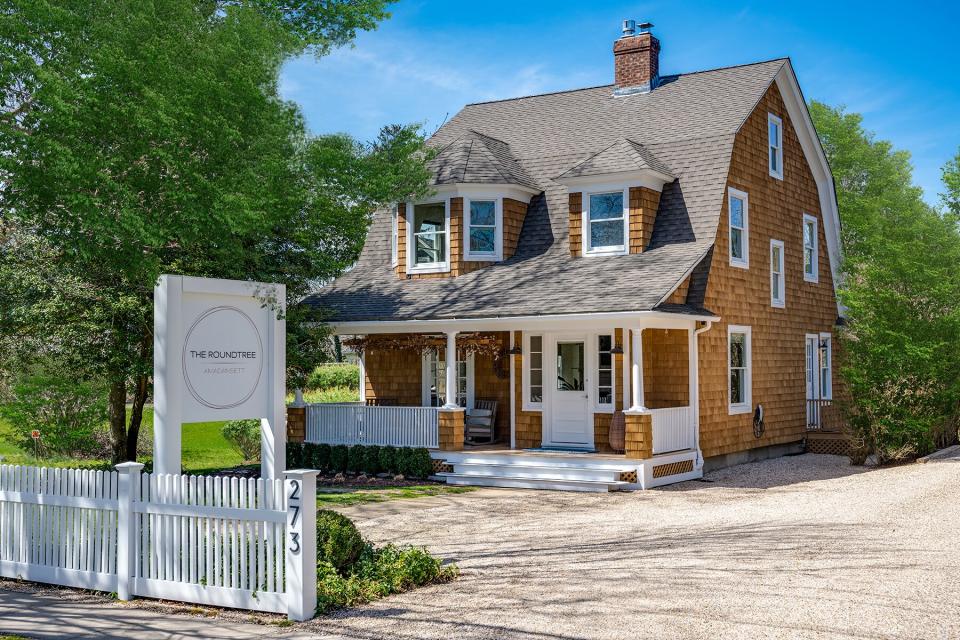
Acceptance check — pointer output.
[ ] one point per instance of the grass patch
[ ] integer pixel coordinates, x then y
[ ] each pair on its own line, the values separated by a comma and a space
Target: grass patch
350, 496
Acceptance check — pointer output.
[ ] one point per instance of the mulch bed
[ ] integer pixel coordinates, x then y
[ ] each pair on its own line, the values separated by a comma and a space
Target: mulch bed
339, 480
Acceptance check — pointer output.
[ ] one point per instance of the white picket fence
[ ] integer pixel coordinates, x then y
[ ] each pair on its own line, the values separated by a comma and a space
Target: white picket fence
233, 542
360, 424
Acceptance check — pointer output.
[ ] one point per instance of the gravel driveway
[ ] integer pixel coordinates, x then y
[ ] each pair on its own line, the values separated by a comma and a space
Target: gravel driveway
799, 547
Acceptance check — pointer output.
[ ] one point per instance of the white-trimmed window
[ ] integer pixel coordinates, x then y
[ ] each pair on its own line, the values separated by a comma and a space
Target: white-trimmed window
606, 220
738, 208
778, 294
826, 366
740, 369
605, 380
428, 237
775, 145
810, 258
484, 224
532, 372
434, 381
394, 235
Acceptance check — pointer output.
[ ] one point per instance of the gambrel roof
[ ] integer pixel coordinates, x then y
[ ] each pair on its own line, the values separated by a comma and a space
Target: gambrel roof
685, 129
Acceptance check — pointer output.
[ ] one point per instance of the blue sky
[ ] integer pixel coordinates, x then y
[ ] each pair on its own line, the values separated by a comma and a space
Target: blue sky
897, 64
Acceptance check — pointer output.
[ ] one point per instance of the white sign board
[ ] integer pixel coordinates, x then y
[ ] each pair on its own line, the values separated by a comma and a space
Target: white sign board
219, 354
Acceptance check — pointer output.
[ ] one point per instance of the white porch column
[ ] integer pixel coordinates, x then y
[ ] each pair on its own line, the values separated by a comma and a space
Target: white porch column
636, 372
450, 362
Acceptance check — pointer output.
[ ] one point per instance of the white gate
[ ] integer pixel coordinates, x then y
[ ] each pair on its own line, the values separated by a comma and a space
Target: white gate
223, 541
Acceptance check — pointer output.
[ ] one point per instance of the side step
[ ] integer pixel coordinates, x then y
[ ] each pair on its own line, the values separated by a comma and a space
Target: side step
595, 486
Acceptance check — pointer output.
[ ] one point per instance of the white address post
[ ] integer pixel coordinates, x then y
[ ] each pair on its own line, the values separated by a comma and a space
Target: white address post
301, 556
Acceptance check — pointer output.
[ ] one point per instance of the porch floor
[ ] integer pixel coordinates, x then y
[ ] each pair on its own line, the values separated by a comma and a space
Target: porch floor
503, 448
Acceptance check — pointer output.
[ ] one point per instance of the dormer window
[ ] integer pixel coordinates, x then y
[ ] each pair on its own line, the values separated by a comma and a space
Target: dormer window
484, 224
605, 219
429, 236
775, 145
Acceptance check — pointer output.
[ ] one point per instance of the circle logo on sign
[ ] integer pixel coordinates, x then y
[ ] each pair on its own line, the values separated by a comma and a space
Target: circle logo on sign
222, 358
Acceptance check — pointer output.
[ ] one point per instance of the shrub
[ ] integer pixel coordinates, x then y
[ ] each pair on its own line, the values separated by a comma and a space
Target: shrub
328, 376
372, 573
388, 459
338, 458
244, 437
339, 543
320, 457
371, 459
69, 414
355, 458
295, 455
420, 464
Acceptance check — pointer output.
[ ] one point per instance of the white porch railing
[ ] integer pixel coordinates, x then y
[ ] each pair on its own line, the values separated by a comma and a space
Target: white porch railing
672, 429
361, 424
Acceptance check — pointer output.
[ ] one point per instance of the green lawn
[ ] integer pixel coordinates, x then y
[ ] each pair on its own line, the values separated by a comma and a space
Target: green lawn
349, 496
204, 448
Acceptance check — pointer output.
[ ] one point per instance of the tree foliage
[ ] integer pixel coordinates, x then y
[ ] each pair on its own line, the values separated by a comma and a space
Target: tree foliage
147, 137
901, 288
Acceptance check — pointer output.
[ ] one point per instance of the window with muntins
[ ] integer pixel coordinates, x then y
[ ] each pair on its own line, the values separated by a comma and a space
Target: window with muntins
739, 365
483, 228
810, 256
826, 366
535, 373
777, 279
437, 381
606, 222
738, 208
775, 139
430, 234
605, 371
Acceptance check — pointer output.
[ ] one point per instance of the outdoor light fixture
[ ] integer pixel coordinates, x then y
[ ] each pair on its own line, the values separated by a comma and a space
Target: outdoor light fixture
618, 350
515, 350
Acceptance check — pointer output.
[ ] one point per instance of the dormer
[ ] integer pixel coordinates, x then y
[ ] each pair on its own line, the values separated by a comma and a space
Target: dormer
613, 199
473, 218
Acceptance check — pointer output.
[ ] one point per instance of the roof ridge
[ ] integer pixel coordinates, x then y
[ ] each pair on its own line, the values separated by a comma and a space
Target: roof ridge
601, 86
497, 162
466, 163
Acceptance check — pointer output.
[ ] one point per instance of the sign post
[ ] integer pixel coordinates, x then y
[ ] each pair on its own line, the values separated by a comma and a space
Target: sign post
219, 353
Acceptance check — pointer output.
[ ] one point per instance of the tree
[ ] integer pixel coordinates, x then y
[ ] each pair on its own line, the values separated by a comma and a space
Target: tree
951, 181
140, 138
901, 345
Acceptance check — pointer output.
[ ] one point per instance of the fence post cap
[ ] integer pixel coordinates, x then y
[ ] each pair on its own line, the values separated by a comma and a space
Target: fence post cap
301, 473
129, 467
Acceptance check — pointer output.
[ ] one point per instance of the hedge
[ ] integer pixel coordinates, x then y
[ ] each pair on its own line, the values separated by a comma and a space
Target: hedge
330, 376
372, 459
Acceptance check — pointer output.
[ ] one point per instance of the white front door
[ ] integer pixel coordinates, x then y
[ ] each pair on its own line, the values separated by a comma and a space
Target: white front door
570, 424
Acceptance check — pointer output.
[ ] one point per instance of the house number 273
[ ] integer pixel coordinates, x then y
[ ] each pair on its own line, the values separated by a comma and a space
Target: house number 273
294, 500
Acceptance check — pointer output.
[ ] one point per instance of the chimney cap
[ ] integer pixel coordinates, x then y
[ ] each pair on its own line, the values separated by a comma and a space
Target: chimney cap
629, 28
645, 26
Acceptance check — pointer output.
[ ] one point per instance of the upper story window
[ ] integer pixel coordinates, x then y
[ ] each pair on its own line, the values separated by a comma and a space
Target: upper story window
605, 222
394, 235
740, 368
738, 208
775, 145
484, 224
810, 257
428, 237
777, 280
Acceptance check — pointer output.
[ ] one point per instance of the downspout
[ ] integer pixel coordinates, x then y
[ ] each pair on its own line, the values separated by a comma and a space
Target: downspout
695, 363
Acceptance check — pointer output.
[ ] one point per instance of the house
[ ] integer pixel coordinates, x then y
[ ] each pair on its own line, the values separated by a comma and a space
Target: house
656, 258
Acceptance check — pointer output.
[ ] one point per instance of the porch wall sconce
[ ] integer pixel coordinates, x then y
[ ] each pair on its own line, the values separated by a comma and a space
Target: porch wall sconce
515, 350
618, 350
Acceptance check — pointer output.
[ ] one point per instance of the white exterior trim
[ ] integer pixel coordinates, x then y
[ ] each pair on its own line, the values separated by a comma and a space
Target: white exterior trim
433, 267
425, 378
742, 263
772, 119
796, 106
747, 405
558, 322
483, 191
815, 276
825, 394
780, 302
513, 396
649, 178
497, 254
593, 360
588, 250
395, 236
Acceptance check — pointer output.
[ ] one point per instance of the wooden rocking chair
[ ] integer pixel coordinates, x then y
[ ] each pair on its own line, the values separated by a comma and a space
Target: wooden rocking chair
481, 422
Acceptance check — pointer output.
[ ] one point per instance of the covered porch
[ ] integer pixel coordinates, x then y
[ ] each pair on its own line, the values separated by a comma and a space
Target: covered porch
605, 398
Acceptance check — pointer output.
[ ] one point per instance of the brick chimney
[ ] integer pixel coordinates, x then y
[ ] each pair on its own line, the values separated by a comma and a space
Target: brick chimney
636, 60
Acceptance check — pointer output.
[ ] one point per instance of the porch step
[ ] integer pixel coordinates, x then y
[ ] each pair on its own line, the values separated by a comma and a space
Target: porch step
537, 471
532, 483
548, 460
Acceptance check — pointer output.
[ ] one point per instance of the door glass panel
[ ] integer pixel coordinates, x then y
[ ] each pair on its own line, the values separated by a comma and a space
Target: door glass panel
570, 366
